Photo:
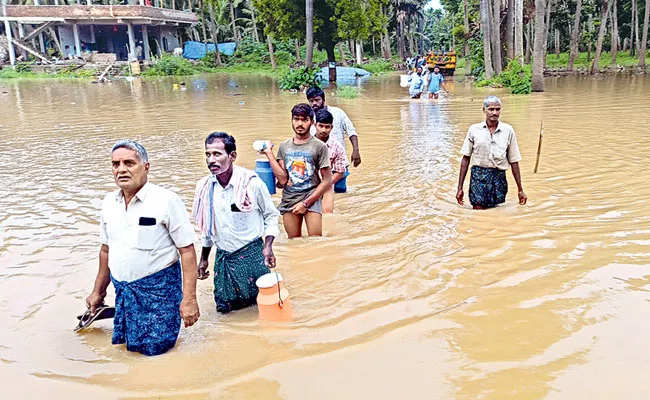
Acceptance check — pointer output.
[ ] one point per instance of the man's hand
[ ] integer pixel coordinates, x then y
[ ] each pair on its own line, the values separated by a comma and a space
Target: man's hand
189, 311
268, 151
356, 158
522, 198
202, 269
459, 196
94, 300
269, 257
299, 209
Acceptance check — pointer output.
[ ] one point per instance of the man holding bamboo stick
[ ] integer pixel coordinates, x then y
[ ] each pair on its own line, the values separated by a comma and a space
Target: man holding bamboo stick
491, 146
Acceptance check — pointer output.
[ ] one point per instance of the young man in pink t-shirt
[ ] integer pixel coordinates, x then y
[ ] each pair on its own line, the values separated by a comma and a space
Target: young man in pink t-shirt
338, 158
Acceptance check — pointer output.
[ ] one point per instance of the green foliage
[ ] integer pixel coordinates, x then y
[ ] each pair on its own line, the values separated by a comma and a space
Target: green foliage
517, 77
378, 66
348, 92
23, 67
169, 65
297, 79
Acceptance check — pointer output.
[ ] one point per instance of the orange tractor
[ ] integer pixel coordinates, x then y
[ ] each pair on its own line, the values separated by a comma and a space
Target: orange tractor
446, 62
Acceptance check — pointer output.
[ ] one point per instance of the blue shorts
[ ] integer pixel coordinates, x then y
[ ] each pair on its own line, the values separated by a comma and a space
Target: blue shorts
341, 186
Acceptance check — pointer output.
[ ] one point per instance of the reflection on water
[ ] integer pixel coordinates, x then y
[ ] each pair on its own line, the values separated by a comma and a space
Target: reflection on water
409, 295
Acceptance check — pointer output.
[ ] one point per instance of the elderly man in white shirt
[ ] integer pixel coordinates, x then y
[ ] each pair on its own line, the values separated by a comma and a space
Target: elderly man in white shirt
491, 146
342, 125
144, 231
234, 211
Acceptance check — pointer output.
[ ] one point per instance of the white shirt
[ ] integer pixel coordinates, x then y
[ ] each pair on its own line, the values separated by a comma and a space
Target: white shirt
236, 229
144, 238
491, 150
342, 125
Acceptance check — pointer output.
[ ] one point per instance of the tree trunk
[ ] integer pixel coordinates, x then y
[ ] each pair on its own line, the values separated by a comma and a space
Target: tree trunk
205, 35
547, 28
269, 42
401, 45
485, 27
235, 32
309, 34
359, 52
614, 43
256, 35
590, 30
557, 42
496, 36
510, 29
344, 62
296, 42
468, 67
539, 46
601, 36
374, 48
644, 39
352, 48
213, 26
519, 30
529, 47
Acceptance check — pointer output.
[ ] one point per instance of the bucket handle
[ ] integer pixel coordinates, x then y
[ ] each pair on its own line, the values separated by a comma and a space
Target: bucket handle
277, 279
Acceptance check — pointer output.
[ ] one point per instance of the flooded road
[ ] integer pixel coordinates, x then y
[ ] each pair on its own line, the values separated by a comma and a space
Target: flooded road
408, 296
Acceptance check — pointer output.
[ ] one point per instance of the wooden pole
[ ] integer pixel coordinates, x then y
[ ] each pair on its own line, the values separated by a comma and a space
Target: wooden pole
539, 147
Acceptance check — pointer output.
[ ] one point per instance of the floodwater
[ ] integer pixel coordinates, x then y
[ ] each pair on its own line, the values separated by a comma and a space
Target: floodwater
409, 296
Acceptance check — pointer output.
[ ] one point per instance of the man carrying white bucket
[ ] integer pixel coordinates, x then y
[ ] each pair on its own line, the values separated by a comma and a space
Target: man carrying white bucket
234, 211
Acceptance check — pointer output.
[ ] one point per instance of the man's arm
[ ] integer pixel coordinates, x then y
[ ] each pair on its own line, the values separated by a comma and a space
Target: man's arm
442, 85
464, 165
337, 176
349, 128
202, 270
271, 229
103, 279
278, 168
520, 189
189, 307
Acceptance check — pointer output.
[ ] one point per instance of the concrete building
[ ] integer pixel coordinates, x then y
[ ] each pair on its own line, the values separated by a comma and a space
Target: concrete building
129, 32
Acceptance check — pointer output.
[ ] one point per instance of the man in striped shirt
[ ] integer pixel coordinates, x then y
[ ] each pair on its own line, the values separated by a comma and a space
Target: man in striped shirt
338, 158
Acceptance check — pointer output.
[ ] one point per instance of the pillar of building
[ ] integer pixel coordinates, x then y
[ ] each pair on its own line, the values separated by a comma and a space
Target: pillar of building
12, 53
77, 43
21, 34
92, 34
145, 42
41, 42
132, 53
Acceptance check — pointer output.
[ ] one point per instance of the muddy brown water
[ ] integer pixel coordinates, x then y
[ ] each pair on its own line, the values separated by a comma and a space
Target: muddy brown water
408, 296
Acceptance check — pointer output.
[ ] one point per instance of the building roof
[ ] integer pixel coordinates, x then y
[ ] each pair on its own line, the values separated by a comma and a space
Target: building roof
86, 15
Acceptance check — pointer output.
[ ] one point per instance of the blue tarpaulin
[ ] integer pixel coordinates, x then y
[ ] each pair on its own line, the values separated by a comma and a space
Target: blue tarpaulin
346, 75
197, 50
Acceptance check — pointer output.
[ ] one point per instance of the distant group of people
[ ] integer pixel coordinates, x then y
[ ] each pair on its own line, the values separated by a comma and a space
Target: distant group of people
147, 239
422, 80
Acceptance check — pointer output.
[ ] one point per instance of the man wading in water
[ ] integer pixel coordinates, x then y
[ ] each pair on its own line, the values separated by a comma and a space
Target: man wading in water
302, 167
234, 211
492, 147
143, 229
341, 126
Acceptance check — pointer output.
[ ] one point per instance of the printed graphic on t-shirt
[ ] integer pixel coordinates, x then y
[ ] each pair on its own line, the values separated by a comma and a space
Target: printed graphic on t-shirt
300, 166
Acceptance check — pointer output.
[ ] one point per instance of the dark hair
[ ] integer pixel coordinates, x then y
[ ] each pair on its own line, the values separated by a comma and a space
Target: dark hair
315, 92
324, 117
302, 110
228, 141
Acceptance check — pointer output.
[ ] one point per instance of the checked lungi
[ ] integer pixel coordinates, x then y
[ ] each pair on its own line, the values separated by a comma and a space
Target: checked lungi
487, 187
235, 275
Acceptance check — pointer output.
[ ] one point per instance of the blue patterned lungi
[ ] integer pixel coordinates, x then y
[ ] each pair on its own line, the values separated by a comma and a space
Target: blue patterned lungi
487, 187
235, 275
147, 316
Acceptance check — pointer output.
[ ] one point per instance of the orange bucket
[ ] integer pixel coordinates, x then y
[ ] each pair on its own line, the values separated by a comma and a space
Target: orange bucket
273, 301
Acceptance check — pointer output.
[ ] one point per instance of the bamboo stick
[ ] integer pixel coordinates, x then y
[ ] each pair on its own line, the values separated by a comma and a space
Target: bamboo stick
539, 146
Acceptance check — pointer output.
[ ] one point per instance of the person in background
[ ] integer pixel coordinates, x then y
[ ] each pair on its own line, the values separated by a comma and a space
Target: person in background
144, 232
436, 81
302, 167
235, 213
416, 83
491, 146
338, 160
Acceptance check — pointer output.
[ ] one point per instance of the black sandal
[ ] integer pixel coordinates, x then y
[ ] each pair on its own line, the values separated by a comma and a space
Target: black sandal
87, 318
